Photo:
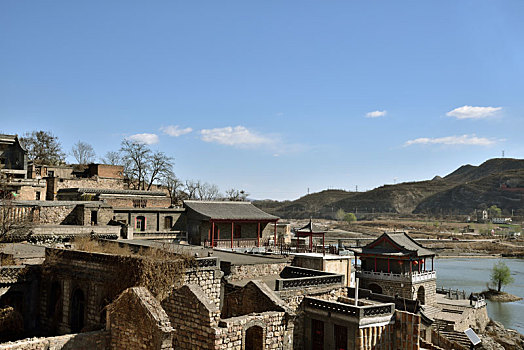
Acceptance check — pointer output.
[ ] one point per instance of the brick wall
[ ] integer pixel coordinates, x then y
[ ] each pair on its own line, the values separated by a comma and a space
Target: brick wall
407, 330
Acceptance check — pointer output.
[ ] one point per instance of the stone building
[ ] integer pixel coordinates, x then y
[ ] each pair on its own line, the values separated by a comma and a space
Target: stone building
394, 264
229, 224
117, 198
13, 172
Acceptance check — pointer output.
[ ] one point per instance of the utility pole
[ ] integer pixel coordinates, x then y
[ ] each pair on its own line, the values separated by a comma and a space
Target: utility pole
502, 153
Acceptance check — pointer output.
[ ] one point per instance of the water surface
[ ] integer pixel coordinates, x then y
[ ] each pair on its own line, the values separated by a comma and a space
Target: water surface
472, 274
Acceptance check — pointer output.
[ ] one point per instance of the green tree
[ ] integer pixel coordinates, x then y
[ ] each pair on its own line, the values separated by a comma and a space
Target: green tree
350, 217
43, 148
494, 211
501, 275
341, 214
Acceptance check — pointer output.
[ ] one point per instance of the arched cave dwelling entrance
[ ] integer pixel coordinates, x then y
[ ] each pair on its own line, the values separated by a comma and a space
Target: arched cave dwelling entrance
421, 295
254, 338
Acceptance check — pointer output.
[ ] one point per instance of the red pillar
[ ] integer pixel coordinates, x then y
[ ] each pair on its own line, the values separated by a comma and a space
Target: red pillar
410, 267
212, 234
258, 234
275, 235
432, 264
388, 265
375, 264
232, 232
310, 242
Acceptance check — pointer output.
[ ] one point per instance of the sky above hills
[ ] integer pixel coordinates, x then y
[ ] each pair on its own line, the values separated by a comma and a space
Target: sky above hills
273, 97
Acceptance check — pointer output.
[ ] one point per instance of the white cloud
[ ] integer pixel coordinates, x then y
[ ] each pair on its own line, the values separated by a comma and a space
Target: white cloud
452, 140
147, 139
175, 130
234, 136
376, 114
470, 112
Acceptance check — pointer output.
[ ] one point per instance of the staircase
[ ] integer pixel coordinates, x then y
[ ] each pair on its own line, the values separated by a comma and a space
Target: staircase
430, 311
445, 329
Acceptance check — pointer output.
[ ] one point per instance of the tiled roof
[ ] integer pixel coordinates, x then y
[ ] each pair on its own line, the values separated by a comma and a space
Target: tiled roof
228, 210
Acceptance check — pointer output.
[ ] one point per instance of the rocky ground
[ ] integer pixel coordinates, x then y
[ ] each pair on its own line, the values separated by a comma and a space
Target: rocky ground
504, 297
496, 337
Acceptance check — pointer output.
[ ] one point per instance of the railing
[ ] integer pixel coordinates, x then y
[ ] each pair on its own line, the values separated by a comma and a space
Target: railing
237, 243
350, 310
207, 262
316, 281
453, 294
413, 277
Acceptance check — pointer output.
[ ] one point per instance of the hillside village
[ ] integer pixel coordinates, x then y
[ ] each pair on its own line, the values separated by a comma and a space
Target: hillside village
91, 261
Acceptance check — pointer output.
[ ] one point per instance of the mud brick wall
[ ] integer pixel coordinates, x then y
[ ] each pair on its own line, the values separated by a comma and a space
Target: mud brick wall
98, 340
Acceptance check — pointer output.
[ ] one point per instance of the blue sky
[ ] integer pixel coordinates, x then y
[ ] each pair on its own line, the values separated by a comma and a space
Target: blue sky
273, 97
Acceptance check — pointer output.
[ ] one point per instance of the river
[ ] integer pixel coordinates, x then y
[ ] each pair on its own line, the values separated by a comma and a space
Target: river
472, 274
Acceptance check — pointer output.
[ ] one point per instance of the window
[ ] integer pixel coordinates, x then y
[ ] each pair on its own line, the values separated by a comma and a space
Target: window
139, 203
37, 196
94, 217
168, 222
51, 173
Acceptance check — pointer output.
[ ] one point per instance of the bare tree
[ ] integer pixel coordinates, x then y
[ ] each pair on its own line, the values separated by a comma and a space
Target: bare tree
112, 158
43, 147
236, 195
159, 163
83, 152
207, 192
191, 187
136, 158
174, 186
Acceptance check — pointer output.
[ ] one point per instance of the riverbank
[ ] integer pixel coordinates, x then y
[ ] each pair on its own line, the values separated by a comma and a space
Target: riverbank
502, 297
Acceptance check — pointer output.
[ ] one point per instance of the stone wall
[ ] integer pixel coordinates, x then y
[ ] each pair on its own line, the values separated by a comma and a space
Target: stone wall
241, 272
63, 214
98, 340
193, 316
407, 330
54, 184
276, 332
403, 289
209, 280
137, 321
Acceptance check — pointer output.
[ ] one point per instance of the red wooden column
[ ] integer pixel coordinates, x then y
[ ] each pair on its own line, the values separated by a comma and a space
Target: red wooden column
258, 234
410, 267
212, 234
388, 265
310, 242
275, 236
232, 232
375, 264
432, 263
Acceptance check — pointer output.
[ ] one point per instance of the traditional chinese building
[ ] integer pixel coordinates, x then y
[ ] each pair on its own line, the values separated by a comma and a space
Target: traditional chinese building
229, 224
394, 264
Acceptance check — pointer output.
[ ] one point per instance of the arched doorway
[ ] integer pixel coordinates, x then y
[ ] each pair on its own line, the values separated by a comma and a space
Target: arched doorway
77, 311
254, 338
140, 223
375, 288
421, 295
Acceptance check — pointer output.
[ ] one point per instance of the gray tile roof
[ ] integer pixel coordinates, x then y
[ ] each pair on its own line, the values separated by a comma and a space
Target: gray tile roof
407, 246
227, 210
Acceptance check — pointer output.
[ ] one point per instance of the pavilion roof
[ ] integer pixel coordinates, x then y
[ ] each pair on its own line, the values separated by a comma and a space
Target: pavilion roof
227, 210
396, 244
310, 228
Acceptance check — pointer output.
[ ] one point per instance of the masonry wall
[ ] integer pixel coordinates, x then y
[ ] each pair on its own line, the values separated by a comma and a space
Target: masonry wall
155, 220
137, 321
403, 289
98, 340
66, 215
241, 272
54, 184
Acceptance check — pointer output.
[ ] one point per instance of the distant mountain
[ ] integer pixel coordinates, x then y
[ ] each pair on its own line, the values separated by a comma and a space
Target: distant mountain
498, 181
